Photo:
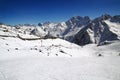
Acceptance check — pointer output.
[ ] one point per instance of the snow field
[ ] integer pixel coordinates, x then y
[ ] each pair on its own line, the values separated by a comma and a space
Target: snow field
36, 68
56, 59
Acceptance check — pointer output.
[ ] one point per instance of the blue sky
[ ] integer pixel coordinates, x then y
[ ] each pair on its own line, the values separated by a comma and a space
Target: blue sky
34, 11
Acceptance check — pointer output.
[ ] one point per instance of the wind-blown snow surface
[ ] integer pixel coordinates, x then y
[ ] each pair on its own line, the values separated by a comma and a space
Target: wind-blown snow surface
56, 59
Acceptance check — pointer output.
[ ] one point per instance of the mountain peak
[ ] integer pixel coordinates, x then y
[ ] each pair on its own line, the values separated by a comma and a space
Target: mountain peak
106, 16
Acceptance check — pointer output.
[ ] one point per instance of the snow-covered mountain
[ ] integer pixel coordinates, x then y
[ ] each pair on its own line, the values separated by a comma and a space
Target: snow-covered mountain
97, 31
79, 30
74, 25
54, 29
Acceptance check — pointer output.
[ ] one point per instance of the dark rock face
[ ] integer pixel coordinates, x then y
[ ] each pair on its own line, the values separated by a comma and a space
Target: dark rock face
106, 34
83, 37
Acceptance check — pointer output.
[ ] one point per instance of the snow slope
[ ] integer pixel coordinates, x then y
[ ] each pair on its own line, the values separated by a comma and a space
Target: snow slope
49, 47
57, 59
36, 68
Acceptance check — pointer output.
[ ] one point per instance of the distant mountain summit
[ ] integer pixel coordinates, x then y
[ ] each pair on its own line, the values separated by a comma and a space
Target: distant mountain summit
79, 30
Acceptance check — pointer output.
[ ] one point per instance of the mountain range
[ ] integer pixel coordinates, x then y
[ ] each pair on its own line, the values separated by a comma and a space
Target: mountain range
78, 30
